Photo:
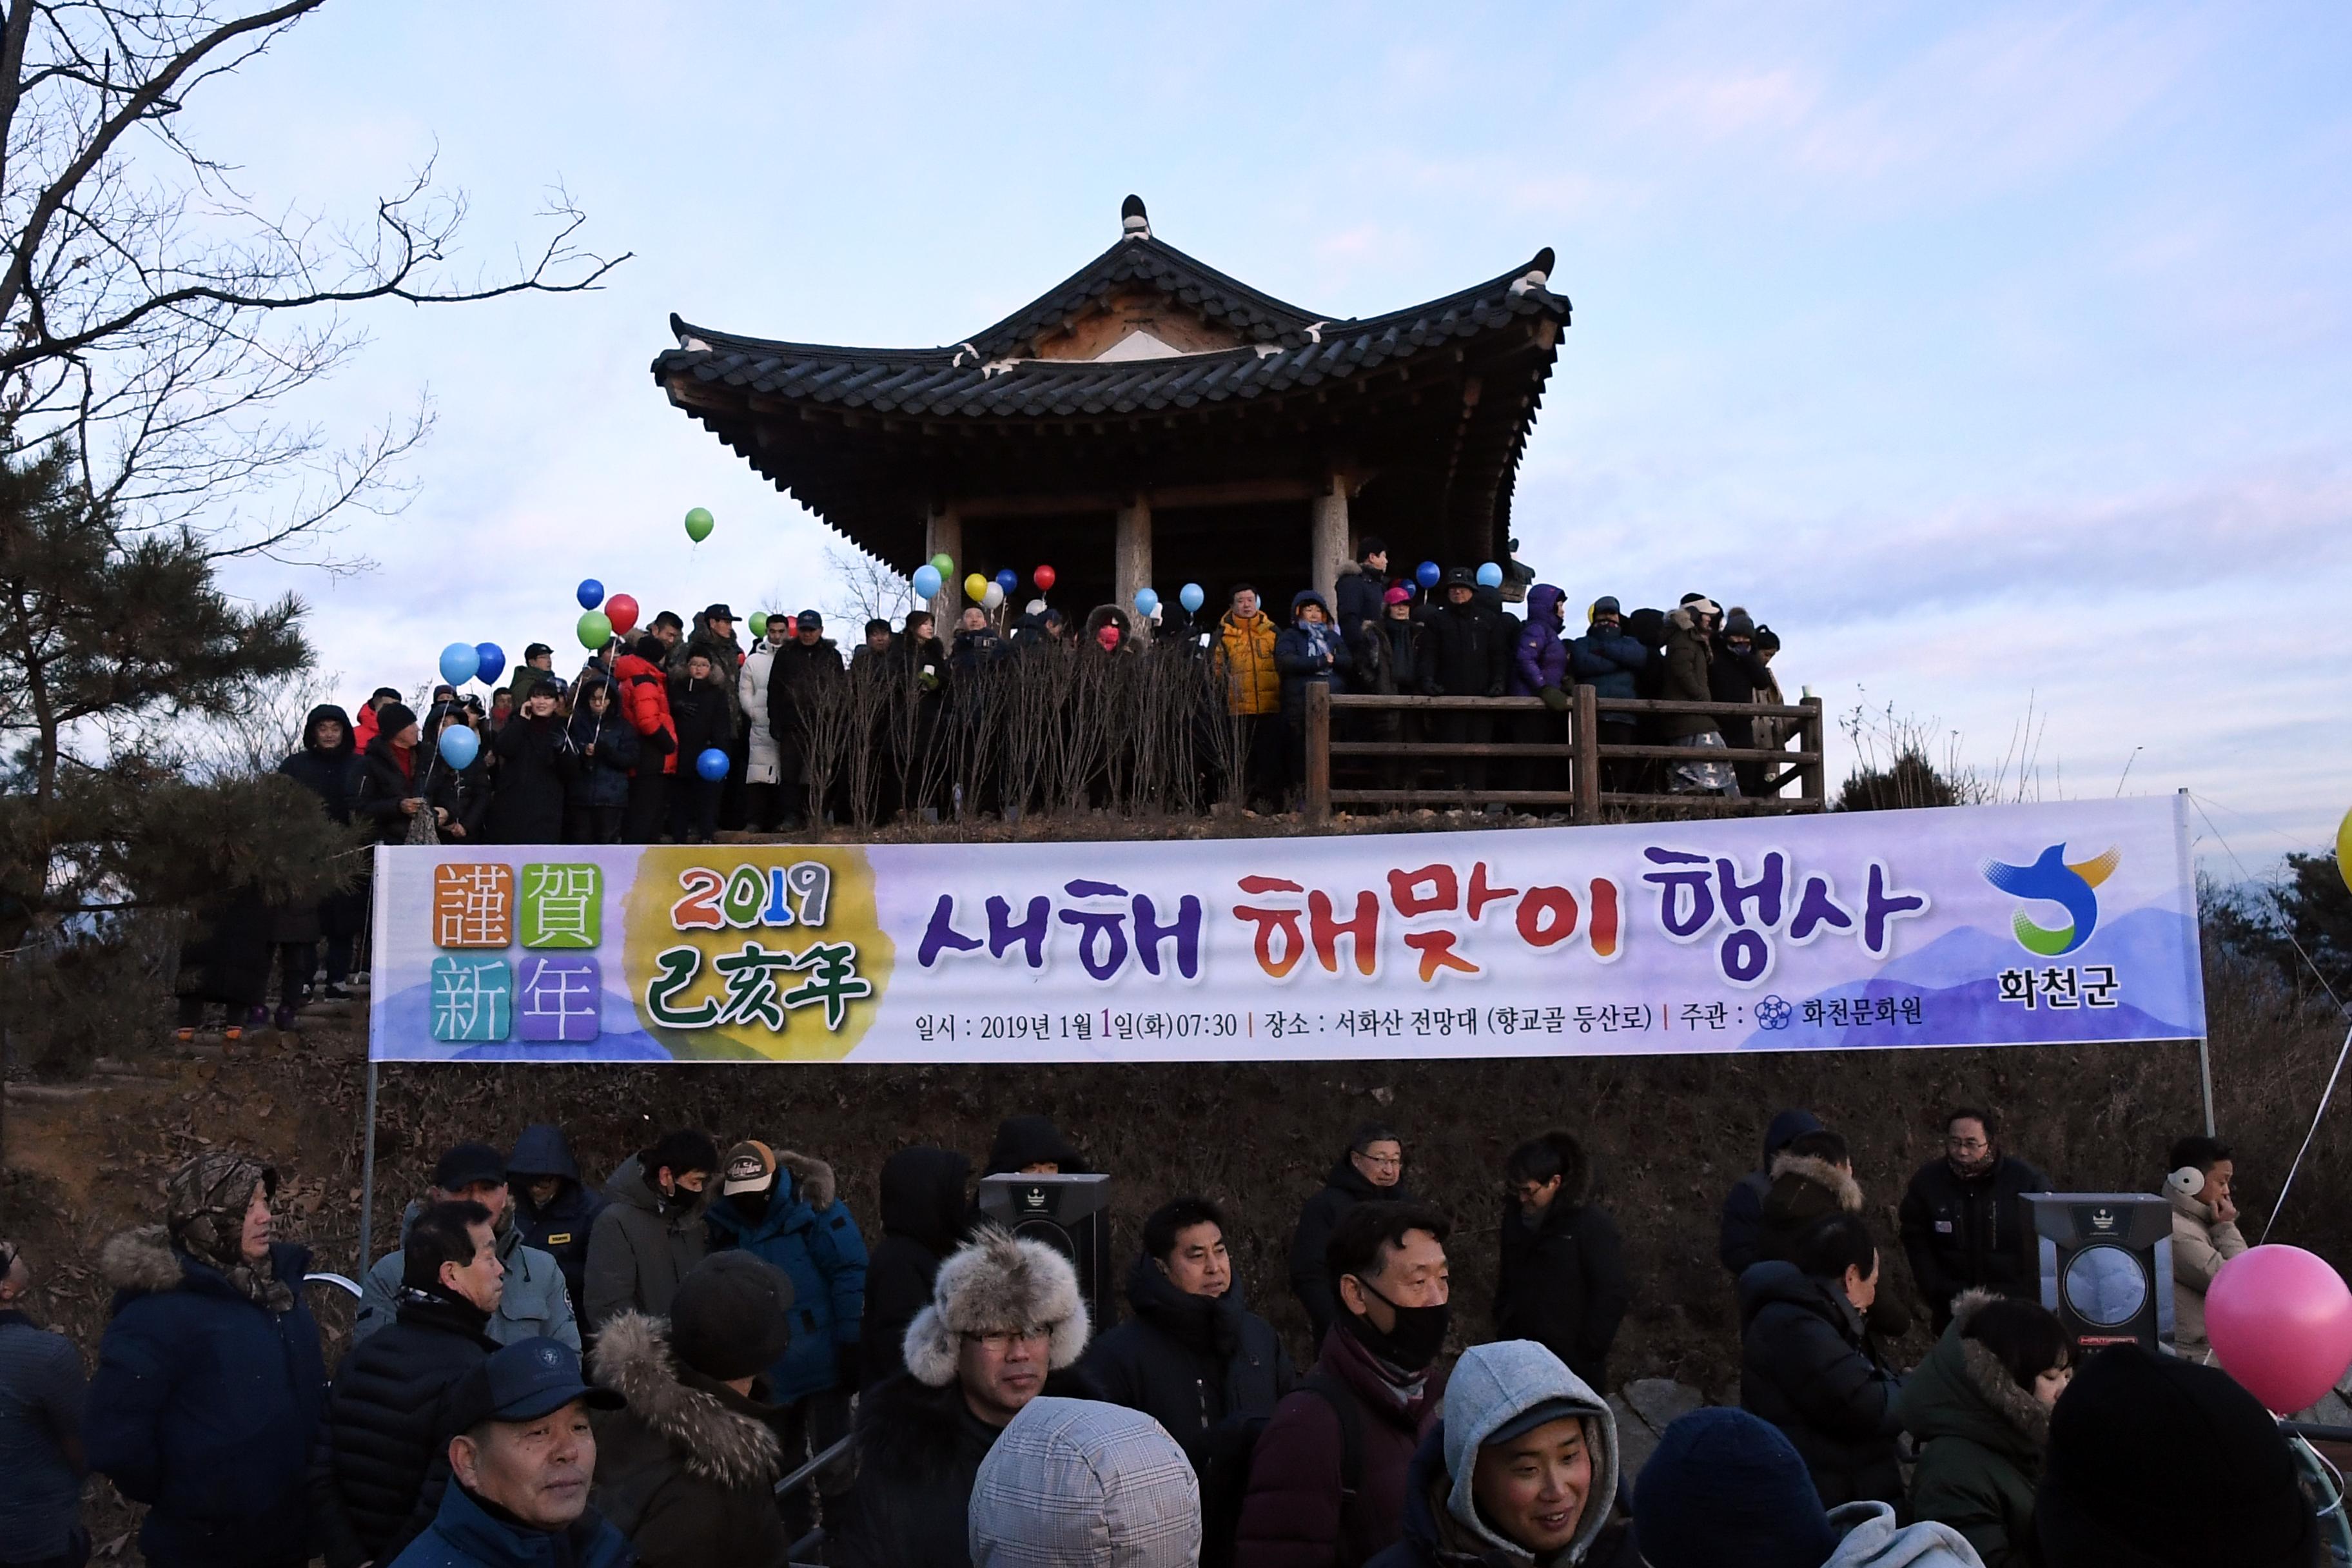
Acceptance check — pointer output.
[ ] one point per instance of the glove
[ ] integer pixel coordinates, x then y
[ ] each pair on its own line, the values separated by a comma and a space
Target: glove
1496, 689
1554, 698
931, 682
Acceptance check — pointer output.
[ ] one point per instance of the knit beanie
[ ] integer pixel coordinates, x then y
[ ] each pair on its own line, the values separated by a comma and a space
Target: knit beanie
1726, 1489
1739, 623
2113, 1490
732, 1316
392, 718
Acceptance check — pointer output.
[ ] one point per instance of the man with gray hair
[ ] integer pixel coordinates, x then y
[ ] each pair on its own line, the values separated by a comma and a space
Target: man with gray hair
1006, 1323
1074, 1481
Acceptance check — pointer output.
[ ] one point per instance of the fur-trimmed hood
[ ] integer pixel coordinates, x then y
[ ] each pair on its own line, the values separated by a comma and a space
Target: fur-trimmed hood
813, 1180
1822, 1173
1961, 1390
141, 1259
992, 1284
729, 1446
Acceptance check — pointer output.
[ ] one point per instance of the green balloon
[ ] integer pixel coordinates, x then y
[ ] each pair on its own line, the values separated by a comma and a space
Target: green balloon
699, 524
595, 630
944, 564
759, 623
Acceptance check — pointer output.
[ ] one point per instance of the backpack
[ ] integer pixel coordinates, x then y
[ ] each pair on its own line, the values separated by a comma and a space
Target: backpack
1232, 1446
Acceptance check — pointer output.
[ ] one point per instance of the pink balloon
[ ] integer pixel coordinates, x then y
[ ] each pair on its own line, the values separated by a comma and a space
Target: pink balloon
2280, 1320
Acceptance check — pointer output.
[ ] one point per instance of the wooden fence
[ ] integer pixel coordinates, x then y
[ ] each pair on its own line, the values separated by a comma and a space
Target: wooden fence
1580, 758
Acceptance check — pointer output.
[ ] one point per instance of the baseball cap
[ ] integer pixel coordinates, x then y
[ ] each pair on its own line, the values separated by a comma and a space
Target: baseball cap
466, 1163
527, 1380
750, 1167
717, 612
809, 621
537, 649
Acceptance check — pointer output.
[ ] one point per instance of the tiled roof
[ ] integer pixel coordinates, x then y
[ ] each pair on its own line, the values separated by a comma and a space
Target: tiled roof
964, 382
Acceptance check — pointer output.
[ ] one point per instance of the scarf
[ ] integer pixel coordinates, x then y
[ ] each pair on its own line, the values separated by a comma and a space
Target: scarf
1325, 636
205, 1205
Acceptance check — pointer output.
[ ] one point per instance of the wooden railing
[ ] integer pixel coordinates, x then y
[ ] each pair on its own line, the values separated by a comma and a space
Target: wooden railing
1582, 755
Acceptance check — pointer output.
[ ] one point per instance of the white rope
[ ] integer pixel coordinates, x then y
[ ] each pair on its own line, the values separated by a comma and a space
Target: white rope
2308, 1137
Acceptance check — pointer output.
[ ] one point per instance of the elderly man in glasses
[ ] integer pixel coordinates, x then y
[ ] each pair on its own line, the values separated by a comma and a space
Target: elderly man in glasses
1963, 1227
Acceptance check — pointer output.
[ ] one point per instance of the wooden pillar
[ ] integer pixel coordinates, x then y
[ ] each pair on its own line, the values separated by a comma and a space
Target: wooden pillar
1587, 721
1813, 788
1317, 750
1131, 568
1331, 547
943, 531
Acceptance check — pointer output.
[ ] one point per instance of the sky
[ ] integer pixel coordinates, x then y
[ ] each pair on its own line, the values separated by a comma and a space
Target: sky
1996, 356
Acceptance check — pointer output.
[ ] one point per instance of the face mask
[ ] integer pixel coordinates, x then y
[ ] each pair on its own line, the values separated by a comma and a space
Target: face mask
749, 1206
1414, 1343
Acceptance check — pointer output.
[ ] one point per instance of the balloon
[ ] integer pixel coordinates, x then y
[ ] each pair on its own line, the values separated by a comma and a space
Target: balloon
1008, 580
2344, 851
595, 630
1427, 574
591, 593
494, 662
698, 525
759, 623
975, 586
622, 610
1490, 575
993, 597
1043, 578
2280, 1320
1191, 597
1146, 600
711, 764
459, 745
926, 580
458, 662
944, 564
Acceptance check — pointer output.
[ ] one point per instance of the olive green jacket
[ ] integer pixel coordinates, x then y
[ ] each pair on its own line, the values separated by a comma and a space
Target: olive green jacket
1981, 1439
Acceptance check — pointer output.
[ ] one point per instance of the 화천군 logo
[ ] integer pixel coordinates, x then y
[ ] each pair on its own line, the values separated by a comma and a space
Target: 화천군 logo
2052, 879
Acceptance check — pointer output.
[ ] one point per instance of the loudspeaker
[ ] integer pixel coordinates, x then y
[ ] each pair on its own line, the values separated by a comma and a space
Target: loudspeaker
1069, 1214
2105, 1265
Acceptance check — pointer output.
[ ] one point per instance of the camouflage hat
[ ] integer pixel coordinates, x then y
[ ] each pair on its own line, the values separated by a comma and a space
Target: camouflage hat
206, 1201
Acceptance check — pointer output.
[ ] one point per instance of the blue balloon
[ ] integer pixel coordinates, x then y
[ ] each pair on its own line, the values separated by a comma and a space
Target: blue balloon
926, 580
1146, 600
1427, 574
1008, 580
459, 745
458, 662
591, 593
1191, 597
711, 764
494, 661
1490, 575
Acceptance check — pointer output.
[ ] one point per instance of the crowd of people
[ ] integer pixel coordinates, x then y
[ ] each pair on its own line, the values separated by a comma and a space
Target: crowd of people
735, 1326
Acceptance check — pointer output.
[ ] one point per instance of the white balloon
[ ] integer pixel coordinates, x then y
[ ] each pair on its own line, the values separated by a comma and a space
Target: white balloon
993, 597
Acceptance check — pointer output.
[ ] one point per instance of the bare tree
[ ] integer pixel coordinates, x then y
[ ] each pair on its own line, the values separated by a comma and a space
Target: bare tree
154, 313
863, 589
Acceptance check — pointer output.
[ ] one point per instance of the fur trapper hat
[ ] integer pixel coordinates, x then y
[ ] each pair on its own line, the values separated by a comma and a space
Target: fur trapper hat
995, 1283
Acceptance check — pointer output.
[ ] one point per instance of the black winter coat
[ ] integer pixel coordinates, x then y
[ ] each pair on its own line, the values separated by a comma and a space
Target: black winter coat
795, 675
1743, 1206
1469, 651
382, 787
1310, 1282
703, 718
332, 776
1808, 1367
919, 1451
561, 1229
387, 1421
1563, 1284
1734, 678
601, 779
1968, 1233
1358, 591
922, 1215
1189, 1361
535, 762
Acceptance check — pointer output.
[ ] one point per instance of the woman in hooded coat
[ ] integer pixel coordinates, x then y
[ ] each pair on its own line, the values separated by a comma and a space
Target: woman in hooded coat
328, 765
1979, 1405
605, 746
923, 1208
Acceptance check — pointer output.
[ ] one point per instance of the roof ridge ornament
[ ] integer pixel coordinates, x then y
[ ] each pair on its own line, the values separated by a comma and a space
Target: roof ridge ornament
1537, 275
1133, 223
962, 350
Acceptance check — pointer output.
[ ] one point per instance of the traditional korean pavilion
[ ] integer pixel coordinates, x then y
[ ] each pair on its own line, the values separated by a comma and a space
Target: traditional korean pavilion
1150, 421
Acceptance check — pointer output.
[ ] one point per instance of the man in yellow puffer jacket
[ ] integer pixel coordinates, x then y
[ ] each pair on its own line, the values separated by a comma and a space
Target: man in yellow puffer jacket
1244, 656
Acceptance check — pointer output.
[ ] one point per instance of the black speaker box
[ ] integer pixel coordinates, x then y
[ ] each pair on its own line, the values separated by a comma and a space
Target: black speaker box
2106, 1263
1069, 1214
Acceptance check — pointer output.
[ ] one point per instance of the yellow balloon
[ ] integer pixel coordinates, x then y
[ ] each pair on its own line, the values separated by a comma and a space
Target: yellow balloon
975, 587
2343, 849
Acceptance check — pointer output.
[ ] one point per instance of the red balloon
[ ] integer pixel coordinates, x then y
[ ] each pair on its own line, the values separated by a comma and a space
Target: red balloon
1043, 578
622, 610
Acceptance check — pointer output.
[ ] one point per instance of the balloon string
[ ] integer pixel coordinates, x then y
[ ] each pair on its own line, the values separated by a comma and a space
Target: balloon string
2308, 1137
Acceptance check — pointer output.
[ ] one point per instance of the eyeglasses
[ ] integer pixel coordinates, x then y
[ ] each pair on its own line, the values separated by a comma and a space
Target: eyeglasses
1966, 1145
1002, 1341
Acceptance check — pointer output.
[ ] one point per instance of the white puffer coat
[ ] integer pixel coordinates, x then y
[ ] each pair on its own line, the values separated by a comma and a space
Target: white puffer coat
753, 684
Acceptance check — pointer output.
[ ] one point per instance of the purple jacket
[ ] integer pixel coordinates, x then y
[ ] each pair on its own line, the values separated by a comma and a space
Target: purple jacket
1539, 659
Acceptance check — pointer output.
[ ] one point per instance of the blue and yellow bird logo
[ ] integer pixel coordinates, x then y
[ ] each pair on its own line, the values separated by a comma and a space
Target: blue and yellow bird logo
2052, 879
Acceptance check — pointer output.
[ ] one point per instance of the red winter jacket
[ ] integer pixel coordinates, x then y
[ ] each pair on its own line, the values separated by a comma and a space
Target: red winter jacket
364, 730
1293, 1515
645, 702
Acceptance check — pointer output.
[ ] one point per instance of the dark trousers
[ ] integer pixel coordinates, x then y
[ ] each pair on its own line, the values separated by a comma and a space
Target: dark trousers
693, 808
649, 806
585, 824
298, 962
1264, 775
734, 801
811, 1426
1453, 726
1546, 728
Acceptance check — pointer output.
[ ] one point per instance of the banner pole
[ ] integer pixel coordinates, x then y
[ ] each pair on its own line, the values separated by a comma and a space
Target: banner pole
2205, 1080
367, 1177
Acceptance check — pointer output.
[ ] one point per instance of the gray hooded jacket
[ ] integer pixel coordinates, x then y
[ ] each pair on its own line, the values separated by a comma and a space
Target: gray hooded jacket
534, 1302
1072, 1483
1869, 1538
1494, 1384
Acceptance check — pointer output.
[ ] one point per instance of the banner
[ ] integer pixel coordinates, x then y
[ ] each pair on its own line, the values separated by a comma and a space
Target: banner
1965, 926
